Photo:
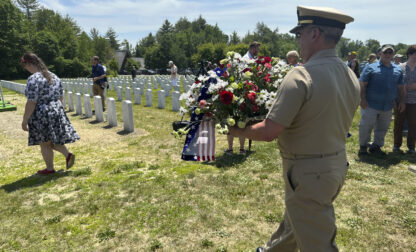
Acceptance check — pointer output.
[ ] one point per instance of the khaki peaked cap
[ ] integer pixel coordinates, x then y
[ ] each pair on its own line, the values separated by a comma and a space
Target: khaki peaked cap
321, 16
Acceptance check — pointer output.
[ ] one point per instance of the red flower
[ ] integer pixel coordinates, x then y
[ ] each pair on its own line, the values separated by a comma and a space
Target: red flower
263, 60
267, 59
246, 69
242, 106
228, 65
251, 96
255, 108
251, 86
225, 74
226, 97
268, 66
196, 82
267, 78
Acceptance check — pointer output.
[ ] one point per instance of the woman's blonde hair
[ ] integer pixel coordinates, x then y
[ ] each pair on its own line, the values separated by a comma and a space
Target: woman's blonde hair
33, 59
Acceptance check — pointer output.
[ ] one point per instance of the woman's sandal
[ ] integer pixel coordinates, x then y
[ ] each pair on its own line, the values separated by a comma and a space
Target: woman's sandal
229, 151
70, 159
243, 151
46, 172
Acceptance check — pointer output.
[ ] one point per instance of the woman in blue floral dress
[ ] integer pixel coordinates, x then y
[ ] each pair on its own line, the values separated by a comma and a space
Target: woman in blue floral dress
44, 116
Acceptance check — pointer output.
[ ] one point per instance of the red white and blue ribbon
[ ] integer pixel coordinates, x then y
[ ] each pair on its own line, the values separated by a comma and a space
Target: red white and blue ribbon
200, 140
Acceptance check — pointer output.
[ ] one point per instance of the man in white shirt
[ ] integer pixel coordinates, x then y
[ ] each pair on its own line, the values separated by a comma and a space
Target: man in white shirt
253, 50
173, 72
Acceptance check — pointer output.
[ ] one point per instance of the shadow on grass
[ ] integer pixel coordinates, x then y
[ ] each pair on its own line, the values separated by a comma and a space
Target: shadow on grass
226, 161
123, 132
390, 159
84, 117
34, 181
95, 122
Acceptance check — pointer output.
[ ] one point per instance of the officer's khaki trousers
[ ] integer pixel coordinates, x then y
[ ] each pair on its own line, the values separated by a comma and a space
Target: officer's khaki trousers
309, 220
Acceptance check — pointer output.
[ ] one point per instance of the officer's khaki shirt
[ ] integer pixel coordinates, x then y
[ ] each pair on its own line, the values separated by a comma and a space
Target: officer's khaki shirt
316, 103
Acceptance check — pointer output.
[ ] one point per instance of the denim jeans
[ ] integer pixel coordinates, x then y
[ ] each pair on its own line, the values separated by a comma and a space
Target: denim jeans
377, 120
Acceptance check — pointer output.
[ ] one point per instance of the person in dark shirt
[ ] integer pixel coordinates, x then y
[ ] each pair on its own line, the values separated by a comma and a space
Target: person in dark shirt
353, 63
99, 77
133, 72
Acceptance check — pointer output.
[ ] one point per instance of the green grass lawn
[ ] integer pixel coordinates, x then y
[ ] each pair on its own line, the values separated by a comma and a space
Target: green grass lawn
132, 192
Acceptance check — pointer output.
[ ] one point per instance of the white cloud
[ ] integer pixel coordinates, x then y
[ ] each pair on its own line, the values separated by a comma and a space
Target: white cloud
134, 19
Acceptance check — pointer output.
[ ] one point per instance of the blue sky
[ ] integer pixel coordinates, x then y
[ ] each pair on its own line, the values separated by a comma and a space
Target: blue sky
385, 20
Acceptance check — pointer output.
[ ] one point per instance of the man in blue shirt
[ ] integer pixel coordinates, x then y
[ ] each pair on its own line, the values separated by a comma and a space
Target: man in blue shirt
380, 83
99, 77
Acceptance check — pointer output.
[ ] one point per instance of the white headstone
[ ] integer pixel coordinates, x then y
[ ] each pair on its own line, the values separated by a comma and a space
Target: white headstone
112, 115
128, 94
86, 88
149, 98
78, 104
119, 93
137, 96
87, 106
99, 117
70, 102
91, 87
161, 99
128, 116
175, 101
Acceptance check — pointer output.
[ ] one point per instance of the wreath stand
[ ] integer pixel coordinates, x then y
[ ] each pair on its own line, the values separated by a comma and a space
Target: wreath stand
4, 105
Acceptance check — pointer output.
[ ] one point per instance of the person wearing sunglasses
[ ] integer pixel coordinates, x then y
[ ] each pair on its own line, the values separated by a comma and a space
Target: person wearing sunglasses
381, 84
311, 116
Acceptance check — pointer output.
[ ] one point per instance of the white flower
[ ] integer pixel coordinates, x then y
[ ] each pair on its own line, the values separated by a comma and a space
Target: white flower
184, 96
269, 104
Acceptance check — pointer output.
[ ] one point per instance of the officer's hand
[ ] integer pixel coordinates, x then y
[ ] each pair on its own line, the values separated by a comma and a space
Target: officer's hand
402, 107
364, 104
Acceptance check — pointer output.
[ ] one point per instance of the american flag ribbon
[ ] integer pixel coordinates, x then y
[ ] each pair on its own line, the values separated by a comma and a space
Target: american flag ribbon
200, 140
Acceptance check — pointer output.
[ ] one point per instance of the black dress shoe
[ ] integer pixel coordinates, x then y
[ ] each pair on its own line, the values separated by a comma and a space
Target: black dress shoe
259, 249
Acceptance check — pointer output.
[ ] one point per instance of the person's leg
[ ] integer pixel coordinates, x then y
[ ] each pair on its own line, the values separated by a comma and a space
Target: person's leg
230, 140
95, 89
242, 140
381, 128
47, 154
367, 122
411, 122
283, 239
398, 128
61, 148
101, 93
313, 185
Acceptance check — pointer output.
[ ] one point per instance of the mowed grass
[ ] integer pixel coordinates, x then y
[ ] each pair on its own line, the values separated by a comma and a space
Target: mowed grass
132, 192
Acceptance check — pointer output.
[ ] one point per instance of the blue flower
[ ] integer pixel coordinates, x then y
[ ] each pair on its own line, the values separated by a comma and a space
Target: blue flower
219, 71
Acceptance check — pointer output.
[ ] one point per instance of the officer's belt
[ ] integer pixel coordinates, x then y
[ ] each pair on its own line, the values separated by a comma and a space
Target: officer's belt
309, 156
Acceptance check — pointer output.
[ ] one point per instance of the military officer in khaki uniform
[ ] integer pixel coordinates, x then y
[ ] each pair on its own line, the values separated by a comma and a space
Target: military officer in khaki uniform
311, 116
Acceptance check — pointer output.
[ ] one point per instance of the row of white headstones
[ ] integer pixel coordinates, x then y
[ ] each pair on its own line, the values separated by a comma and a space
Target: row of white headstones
80, 87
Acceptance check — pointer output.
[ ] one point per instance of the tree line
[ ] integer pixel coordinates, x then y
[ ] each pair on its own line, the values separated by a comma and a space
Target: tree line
67, 49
